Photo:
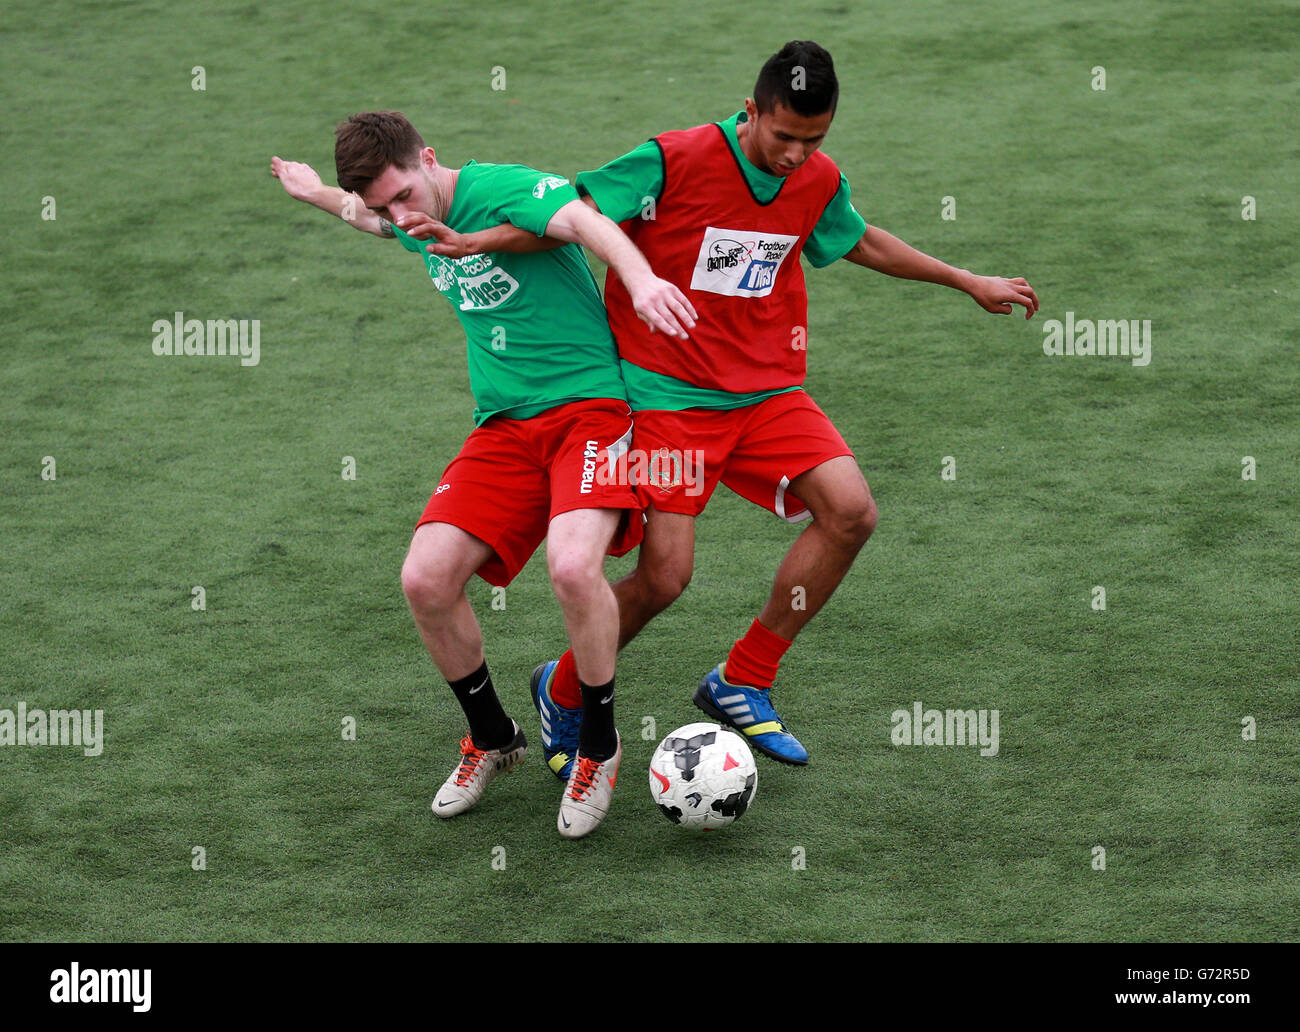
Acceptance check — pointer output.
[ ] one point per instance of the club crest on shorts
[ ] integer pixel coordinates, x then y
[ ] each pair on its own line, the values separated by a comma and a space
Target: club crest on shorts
664, 469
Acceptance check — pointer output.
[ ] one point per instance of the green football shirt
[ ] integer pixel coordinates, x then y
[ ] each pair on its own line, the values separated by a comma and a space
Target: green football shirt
622, 188
536, 333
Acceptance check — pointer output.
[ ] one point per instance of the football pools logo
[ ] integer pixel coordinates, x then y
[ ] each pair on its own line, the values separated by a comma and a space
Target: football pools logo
472, 283
740, 263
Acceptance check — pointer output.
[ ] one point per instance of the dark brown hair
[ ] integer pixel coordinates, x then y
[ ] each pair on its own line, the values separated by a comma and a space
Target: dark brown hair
368, 142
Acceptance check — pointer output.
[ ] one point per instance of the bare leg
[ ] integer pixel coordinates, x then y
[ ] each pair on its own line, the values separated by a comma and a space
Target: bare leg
663, 569
575, 555
844, 515
441, 560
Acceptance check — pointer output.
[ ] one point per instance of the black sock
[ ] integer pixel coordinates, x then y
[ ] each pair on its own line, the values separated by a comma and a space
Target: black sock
489, 726
597, 739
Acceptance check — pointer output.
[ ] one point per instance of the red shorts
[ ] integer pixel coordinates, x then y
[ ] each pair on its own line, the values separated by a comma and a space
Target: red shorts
513, 476
756, 451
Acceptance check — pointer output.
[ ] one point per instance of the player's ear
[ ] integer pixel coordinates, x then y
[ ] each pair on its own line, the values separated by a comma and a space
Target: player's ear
428, 160
751, 109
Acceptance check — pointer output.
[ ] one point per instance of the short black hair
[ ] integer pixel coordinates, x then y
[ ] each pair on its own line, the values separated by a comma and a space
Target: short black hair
799, 76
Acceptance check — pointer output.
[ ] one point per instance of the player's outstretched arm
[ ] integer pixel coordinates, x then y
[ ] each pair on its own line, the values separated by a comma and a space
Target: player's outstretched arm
507, 237
300, 181
885, 253
660, 305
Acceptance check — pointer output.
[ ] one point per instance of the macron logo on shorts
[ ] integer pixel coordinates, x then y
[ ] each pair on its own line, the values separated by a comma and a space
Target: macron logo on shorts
591, 462
740, 262
589, 454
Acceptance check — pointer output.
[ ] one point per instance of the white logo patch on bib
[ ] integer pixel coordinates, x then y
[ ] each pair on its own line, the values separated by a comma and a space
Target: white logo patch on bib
740, 262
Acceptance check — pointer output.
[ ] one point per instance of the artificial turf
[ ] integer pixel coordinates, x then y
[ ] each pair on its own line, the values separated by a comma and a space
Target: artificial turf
1120, 728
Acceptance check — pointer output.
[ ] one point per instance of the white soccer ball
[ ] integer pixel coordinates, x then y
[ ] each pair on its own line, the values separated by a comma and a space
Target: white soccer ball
703, 777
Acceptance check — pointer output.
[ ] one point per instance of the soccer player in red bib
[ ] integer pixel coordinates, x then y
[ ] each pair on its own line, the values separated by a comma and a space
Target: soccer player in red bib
551, 413
726, 211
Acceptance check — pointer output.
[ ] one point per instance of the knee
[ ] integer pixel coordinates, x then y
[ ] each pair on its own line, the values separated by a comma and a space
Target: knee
662, 586
575, 579
427, 589
850, 525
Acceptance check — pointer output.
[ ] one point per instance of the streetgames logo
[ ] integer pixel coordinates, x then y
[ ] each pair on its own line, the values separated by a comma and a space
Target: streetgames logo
473, 283
740, 263
549, 183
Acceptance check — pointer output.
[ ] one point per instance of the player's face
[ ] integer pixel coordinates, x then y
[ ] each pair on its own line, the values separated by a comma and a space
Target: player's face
398, 191
784, 139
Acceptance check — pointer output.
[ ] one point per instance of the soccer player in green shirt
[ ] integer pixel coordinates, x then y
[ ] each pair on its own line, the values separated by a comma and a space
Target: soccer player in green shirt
551, 414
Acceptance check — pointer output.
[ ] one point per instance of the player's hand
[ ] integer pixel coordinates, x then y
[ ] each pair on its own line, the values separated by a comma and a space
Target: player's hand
662, 307
446, 241
996, 294
299, 181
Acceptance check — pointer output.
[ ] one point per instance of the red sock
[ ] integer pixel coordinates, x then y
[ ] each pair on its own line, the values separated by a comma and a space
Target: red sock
754, 659
564, 685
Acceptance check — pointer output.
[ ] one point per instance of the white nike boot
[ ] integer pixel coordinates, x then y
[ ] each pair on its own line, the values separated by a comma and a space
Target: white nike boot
588, 795
475, 772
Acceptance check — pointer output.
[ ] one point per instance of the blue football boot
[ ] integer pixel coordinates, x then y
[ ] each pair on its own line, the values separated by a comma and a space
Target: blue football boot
560, 725
749, 711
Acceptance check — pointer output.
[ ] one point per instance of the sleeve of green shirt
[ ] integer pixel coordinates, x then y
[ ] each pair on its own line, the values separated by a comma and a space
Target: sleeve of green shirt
620, 187
839, 228
528, 198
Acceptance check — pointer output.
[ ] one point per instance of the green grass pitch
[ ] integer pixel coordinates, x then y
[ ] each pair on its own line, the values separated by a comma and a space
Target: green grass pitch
1120, 728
